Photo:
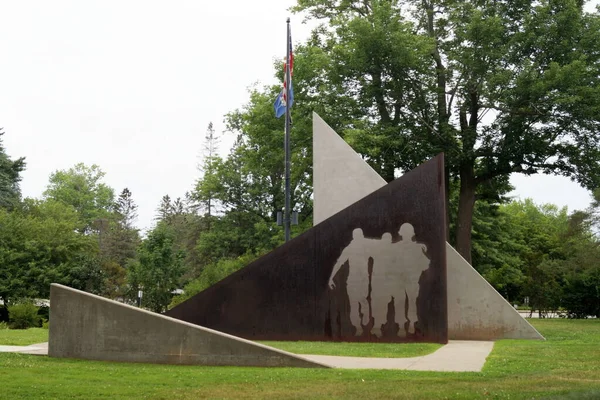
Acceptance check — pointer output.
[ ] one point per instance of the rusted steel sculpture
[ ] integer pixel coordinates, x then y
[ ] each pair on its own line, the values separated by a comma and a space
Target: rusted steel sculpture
375, 271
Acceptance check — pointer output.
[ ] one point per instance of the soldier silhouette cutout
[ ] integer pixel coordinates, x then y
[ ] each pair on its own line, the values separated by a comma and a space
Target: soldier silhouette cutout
396, 271
396, 275
380, 284
357, 255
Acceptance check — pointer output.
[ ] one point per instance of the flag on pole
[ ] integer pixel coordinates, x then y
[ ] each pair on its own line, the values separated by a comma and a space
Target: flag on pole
282, 101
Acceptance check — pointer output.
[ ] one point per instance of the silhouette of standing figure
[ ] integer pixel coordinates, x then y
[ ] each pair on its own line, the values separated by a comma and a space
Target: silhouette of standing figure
415, 261
396, 274
382, 287
357, 254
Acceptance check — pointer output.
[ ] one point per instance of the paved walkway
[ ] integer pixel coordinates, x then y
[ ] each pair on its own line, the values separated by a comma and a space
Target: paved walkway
456, 356
39, 349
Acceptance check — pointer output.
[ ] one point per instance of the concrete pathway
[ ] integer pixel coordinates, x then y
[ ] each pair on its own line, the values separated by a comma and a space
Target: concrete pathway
456, 356
40, 349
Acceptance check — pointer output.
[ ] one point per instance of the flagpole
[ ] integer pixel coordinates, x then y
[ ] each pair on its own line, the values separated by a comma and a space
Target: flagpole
287, 211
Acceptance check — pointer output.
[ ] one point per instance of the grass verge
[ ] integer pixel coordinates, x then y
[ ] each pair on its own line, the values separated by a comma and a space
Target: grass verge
567, 366
391, 350
23, 337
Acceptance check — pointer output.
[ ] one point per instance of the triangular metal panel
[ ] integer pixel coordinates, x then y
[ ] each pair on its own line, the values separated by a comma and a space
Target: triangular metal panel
333, 281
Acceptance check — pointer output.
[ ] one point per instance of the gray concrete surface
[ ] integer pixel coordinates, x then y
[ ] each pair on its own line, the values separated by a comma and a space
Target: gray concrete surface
36, 349
476, 311
340, 176
90, 327
456, 356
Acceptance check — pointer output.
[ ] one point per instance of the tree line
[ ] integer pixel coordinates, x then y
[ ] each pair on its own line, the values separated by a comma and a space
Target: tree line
501, 87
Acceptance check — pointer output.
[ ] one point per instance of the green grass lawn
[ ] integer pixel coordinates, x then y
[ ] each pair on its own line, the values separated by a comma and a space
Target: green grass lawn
23, 337
357, 349
567, 366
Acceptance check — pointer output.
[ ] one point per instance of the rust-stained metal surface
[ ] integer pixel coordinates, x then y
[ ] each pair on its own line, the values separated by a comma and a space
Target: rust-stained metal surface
287, 294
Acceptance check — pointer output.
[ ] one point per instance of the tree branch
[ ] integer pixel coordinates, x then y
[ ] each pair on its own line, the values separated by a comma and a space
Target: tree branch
453, 93
515, 111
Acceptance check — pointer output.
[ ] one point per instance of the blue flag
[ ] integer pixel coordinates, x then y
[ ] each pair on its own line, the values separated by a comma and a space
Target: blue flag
281, 101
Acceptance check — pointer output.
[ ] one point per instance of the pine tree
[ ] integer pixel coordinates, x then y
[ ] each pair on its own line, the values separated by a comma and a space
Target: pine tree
210, 159
120, 244
164, 209
126, 209
211, 142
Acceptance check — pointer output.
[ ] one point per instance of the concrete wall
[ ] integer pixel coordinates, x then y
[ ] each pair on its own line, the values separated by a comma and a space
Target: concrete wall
475, 309
91, 327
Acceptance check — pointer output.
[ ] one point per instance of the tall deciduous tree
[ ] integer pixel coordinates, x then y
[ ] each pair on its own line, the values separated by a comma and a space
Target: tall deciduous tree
500, 86
592, 214
10, 176
39, 245
82, 188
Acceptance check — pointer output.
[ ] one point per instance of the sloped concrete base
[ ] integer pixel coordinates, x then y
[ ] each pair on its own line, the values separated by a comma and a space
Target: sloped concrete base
94, 328
476, 311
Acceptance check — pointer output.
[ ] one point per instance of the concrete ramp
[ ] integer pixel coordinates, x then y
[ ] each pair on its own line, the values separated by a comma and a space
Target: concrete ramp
456, 356
476, 311
91, 327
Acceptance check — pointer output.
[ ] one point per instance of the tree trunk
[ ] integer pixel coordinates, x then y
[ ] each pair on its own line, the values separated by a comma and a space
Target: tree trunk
387, 172
466, 203
442, 104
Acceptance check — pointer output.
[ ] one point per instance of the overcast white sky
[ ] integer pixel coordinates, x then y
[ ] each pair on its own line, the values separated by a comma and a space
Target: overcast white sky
131, 85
